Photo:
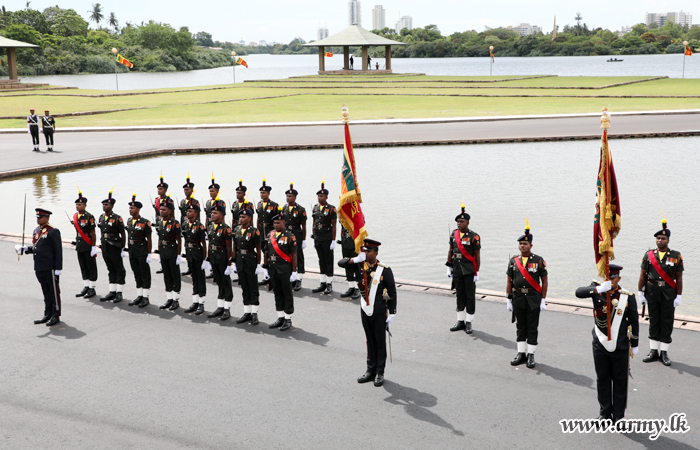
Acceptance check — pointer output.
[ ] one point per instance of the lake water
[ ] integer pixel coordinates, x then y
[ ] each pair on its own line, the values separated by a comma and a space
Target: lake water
264, 67
412, 195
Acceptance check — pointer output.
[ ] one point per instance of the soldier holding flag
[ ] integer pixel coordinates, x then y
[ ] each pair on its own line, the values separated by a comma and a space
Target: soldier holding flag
85, 246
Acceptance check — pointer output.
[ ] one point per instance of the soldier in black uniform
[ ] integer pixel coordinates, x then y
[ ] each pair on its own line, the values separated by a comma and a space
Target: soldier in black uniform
463, 262
140, 247
214, 189
375, 304
352, 271
265, 210
33, 125
295, 215
240, 203
247, 244
48, 126
526, 298
85, 246
189, 199
162, 191
325, 220
281, 258
220, 253
169, 249
662, 288
48, 265
195, 236
611, 357
113, 241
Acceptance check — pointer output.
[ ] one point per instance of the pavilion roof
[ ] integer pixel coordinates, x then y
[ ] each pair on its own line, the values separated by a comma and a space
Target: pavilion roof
354, 36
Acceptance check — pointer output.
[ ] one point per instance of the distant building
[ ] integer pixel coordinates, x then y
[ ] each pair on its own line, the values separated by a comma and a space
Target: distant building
241, 42
681, 18
658, 18
525, 29
354, 13
263, 43
378, 18
252, 44
321, 33
625, 30
406, 22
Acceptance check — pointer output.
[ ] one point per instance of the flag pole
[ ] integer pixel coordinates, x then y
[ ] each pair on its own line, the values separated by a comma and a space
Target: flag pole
116, 77
685, 44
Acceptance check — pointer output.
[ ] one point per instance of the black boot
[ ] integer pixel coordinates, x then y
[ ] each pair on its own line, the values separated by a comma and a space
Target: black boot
347, 293
174, 306
297, 286
245, 318
663, 355
226, 315
263, 282
210, 276
90, 293
217, 312
530, 360
329, 288
136, 301
189, 272
167, 304
519, 359
83, 292
468, 330
652, 356
287, 325
321, 288
366, 378
144, 302
192, 308
42, 320
159, 270
277, 323
200, 309
254, 319
53, 321
119, 297
356, 294
460, 325
379, 380
108, 297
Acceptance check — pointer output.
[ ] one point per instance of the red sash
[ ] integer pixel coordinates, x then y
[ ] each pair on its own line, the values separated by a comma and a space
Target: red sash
157, 204
463, 250
527, 276
277, 248
80, 232
659, 270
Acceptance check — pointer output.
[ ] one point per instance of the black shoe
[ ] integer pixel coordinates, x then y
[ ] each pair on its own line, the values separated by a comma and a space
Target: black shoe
189, 272
83, 292
321, 288
254, 319
652, 356
367, 377
119, 297
136, 301
53, 321
217, 312
210, 276
530, 360
200, 309
664, 358
226, 315
379, 380
42, 320
277, 323
297, 286
174, 306
234, 281
347, 293
468, 330
460, 325
159, 271
108, 297
263, 282
36, 150
519, 359
192, 308
167, 304
245, 318
49, 149
329, 289
90, 293
287, 325
144, 302
356, 294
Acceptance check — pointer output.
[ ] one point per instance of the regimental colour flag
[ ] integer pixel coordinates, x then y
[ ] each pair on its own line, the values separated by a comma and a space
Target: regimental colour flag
122, 60
349, 209
241, 62
688, 51
329, 54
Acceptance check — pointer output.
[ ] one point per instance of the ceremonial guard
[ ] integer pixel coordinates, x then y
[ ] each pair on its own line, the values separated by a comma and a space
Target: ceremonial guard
214, 189
247, 244
611, 357
281, 258
140, 246
526, 297
48, 264
661, 285
325, 219
352, 271
85, 246
169, 249
33, 125
295, 219
463, 262
48, 126
195, 236
240, 203
220, 253
162, 190
113, 242
189, 199
378, 307
265, 210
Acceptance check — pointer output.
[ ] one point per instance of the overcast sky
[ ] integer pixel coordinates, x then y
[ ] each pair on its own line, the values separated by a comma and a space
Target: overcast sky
283, 20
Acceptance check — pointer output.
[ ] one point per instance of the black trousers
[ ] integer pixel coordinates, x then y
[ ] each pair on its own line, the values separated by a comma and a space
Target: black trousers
199, 283
611, 372
284, 298
34, 131
300, 252
218, 266
352, 271
661, 313
88, 266
51, 291
248, 280
115, 264
142, 271
375, 332
526, 322
325, 257
48, 135
466, 293
171, 274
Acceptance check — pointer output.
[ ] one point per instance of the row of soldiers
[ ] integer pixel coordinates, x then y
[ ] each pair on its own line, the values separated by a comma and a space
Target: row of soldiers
48, 126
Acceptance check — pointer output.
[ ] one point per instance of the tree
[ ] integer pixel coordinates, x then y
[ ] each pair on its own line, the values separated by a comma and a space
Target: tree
96, 13
639, 29
23, 33
69, 23
578, 23
663, 41
113, 22
32, 18
204, 39
648, 37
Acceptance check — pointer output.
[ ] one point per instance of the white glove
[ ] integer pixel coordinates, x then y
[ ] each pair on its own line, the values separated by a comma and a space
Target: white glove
178, 260
634, 351
389, 320
303, 245
57, 272
642, 299
677, 301
449, 272
359, 258
124, 253
332, 245
605, 287
228, 270
266, 275
258, 269
293, 277
148, 259
509, 305
206, 265
93, 251
476, 277
543, 305
234, 267
21, 250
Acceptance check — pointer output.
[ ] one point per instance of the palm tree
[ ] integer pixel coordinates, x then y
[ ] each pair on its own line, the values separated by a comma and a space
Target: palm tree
112, 21
578, 23
96, 13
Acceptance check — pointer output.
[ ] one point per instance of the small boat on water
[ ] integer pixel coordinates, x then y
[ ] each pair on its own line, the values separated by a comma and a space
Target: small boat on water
615, 60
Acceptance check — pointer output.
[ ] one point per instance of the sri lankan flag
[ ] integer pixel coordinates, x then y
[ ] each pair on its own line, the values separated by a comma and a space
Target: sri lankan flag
329, 54
351, 216
492, 58
688, 51
122, 60
241, 62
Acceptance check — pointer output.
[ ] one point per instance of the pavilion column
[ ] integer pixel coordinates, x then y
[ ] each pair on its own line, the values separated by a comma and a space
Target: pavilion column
346, 57
321, 59
12, 63
364, 58
387, 51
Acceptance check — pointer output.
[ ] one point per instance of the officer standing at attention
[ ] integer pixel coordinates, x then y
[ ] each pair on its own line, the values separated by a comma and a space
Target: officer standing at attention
162, 190
352, 271
463, 262
214, 199
33, 125
526, 297
266, 210
295, 219
375, 304
661, 285
48, 264
48, 126
281, 257
195, 236
169, 249
140, 247
220, 254
611, 357
239, 204
113, 241
85, 246
247, 244
325, 219
189, 199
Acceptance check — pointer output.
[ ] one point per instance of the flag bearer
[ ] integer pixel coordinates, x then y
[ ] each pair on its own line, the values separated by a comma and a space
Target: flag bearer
85, 246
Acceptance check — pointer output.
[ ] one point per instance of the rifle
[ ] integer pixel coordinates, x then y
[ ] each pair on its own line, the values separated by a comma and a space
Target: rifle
24, 222
69, 219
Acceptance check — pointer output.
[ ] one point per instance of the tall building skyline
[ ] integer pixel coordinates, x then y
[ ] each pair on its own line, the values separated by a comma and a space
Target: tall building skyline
405, 22
321, 33
354, 13
681, 18
378, 17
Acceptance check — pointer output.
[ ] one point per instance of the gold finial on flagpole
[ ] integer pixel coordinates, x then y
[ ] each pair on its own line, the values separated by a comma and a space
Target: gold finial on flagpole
605, 119
345, 113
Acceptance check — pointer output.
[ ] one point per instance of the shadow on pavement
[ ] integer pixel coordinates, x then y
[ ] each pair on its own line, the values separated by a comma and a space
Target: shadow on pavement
416, 404
565, 375
662, 442
494, 340
684, 368
64, 330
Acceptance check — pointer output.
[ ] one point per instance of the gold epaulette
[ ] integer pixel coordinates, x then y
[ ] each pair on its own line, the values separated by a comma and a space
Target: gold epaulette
622, 291
383, 265
596, 282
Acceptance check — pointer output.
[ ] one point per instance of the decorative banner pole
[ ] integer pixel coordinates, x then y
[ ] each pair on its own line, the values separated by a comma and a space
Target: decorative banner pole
233, 58
114, 52
492, 58
685, 52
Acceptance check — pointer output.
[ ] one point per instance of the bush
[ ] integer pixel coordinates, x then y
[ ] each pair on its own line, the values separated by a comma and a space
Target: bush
675, 48
97, 64
648, 49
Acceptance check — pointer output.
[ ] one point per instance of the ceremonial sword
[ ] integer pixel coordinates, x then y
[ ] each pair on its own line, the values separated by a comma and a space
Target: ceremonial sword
24, 222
